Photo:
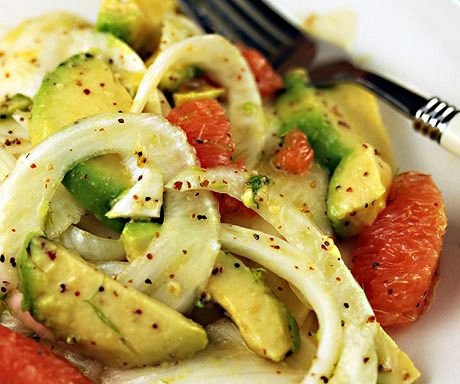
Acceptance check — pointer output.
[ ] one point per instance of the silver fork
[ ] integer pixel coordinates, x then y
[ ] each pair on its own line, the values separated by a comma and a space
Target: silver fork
256, 24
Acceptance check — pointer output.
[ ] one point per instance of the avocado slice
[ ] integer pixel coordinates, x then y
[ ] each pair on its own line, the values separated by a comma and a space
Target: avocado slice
262, 319
340, 145
12, 104
79, 87
125, 20
137, 22
136, 237
207, 93
115, 324
89, 87
96, 183
301, 107
357, 191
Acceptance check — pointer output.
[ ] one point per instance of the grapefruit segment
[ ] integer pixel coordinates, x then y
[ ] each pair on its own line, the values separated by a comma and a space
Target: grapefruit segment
24, 361
395, 259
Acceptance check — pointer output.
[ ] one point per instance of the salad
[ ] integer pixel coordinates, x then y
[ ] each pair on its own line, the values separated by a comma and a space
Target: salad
170, 209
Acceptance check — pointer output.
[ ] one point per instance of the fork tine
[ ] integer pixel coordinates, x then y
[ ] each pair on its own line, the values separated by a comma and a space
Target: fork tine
214, 17
249, 19
194, 10
242, 25
267, 19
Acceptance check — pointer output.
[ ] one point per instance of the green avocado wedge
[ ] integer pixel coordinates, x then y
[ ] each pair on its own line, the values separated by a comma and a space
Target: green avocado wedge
342, 140
264, 323
357, 191
301, 108
137, 236
83, 86
117, 325
137, 22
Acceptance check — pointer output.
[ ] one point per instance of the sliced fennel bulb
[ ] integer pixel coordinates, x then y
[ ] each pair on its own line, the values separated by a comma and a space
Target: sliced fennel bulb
7, 162
63, 211
43, 168
144, 200
360, 328
92, 247
38, 45
303, 273
14, 134
307, 192
180, 260
225, 360
225, 64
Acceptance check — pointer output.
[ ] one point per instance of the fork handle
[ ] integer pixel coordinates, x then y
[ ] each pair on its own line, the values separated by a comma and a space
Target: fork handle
432, 117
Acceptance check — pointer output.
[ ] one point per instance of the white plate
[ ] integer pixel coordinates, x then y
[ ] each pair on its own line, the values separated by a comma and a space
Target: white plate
416, 42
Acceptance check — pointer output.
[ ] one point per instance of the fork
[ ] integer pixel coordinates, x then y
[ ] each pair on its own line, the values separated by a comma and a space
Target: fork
256, 24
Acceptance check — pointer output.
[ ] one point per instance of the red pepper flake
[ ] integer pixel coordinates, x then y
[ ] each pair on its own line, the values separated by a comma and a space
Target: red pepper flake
204, 183
51, 255
33, 165
135, 197
138, 311
343, 124
155, 326
275, 246
86, 91
371, 319
178, 185
172, 276
149, 256
77, 293
365, 174
349, 189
